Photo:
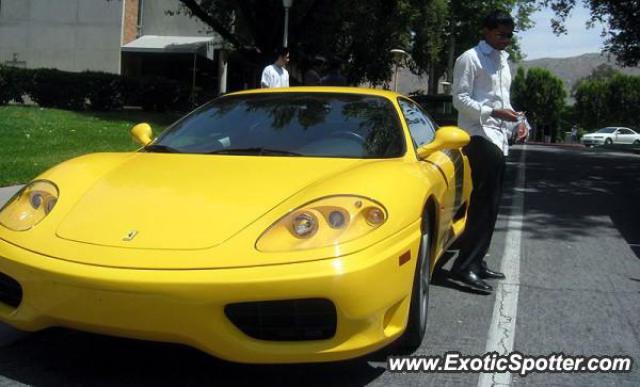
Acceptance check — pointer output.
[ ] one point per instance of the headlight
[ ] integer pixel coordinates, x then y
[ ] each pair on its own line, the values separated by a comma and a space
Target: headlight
304, 225
324, 222
29, 206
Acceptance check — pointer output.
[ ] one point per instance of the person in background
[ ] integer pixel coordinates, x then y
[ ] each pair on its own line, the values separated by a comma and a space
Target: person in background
312, 76
276, 75
574, 134
481, 84
334, 76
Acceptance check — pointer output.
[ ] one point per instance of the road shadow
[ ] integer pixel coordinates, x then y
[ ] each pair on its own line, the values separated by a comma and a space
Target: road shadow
60, 357
581, 192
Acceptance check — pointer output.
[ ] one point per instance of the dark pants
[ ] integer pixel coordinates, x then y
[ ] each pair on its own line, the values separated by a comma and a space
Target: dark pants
487, 170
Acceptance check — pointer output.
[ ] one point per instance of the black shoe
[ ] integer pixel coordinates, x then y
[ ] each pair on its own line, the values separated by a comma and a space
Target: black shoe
485, 273
471, 279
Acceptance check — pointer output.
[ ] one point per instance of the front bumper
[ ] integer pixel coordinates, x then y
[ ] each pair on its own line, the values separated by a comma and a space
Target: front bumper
593, 141
370, 290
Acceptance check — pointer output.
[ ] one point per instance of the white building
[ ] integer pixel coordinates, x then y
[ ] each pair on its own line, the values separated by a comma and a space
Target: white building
134, 37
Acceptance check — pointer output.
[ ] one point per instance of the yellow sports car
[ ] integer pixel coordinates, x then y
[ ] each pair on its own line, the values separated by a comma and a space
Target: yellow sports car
267, 226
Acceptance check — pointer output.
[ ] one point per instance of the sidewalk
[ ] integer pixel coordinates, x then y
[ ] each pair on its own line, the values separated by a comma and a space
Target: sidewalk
602, 148
560, 144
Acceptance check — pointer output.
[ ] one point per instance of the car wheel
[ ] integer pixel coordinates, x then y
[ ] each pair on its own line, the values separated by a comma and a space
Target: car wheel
636, 142
608, 141
419, 308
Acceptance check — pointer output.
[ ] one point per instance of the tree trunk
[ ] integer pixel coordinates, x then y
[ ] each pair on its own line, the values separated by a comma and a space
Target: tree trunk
452, 57
433, 85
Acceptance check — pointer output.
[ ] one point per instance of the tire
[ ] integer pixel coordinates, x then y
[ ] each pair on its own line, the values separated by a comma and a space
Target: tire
636, 143
419, 308
608, 141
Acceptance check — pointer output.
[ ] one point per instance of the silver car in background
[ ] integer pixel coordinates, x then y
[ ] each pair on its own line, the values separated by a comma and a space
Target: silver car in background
612, 135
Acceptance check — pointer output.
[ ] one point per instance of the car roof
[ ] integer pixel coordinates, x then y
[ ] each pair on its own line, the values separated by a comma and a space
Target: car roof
322, 89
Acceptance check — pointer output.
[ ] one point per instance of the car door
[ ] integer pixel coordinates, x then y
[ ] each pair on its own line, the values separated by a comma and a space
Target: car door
449, 163
625, 136
615, 136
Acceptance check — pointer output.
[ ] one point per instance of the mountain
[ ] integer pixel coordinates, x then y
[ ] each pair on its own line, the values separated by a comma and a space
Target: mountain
573, 69
570, 70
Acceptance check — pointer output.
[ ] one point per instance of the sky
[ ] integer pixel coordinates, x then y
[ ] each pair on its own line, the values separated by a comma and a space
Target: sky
540, 42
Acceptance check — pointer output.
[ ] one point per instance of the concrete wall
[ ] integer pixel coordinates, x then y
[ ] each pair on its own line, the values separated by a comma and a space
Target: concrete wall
155, 21
72, 35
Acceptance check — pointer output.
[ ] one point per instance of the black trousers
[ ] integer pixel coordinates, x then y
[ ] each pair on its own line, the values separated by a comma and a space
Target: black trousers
487, 170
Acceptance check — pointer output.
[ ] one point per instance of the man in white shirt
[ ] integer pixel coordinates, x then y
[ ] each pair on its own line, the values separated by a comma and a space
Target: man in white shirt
481, 83
276, 75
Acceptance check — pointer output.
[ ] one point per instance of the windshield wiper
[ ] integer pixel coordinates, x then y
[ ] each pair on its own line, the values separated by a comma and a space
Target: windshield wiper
159, 148
254, 150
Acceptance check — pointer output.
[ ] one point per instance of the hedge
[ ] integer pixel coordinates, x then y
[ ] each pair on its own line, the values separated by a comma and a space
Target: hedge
91, 90
106, 91
58, 89
13, 84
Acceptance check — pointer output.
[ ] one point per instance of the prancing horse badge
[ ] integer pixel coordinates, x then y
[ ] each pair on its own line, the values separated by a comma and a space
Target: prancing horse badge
129, 237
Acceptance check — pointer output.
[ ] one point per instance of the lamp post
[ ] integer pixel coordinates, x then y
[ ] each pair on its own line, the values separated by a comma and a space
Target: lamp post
397, 56
286, 4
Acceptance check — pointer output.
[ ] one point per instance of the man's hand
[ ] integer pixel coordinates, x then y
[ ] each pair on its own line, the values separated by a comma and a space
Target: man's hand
505, 114
523, 132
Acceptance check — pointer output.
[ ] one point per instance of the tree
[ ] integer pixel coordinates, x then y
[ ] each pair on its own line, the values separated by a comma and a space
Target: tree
601, 73
541, 94
519, 87
613, 101
621, 18
359, 32
463, 30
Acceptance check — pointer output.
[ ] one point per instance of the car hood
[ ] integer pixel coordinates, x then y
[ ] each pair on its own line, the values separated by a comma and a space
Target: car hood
169, 201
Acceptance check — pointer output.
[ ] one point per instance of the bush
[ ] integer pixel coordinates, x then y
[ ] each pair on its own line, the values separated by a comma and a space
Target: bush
14, 83
156, 94
59, 89
105, 91
4, 86
90, 89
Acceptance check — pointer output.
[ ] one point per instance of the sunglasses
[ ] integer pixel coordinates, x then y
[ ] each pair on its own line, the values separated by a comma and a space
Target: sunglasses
505, 35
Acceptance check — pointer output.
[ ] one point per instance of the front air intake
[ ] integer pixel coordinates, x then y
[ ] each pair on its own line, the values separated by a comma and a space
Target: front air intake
10, 291
287, 320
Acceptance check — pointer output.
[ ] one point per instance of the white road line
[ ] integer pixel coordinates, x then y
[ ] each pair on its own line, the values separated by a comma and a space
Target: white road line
503, 323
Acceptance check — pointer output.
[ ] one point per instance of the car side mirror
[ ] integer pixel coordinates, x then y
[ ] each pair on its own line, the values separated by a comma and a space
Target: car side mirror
447, 137
142, 134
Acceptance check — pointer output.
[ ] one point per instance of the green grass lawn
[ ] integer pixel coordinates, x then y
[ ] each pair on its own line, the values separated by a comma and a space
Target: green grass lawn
32, 139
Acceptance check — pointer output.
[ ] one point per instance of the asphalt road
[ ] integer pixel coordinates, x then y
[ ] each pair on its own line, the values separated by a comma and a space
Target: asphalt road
577, 287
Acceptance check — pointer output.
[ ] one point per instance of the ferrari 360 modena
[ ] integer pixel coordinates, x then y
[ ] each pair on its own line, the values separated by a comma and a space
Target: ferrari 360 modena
267, 226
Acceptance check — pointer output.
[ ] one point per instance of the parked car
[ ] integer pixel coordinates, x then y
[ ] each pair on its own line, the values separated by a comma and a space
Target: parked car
268, 226
610, 136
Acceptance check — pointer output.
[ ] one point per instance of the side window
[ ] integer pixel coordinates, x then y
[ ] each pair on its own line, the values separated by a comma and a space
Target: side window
624, 131
420, 125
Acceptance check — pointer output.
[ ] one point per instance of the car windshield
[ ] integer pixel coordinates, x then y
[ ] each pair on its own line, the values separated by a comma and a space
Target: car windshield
606, 130
289, 124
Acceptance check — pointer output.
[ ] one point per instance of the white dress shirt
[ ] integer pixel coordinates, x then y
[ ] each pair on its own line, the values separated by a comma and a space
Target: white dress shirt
274, 76
481, 83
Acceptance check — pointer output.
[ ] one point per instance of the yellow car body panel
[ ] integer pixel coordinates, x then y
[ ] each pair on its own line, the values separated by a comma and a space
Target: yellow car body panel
196, 220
